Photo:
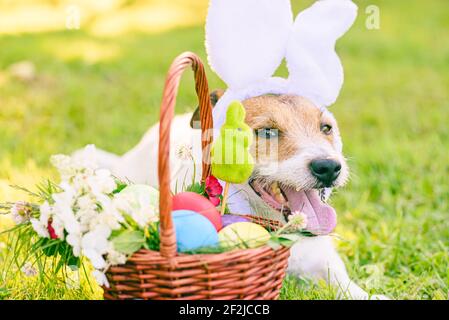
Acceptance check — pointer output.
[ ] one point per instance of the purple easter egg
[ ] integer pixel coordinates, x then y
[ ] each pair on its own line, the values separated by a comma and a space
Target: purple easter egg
228, 219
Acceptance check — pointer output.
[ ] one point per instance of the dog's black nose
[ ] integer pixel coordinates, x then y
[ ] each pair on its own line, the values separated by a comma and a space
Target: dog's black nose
325, 170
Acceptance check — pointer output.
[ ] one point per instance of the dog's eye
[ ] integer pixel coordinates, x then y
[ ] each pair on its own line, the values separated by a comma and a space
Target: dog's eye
267, 133
326, 129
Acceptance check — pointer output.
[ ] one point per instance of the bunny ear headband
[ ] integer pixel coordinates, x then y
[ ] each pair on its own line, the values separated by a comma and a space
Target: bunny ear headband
246, 41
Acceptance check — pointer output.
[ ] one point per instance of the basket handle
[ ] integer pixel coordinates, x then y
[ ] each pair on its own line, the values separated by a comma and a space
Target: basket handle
183, 61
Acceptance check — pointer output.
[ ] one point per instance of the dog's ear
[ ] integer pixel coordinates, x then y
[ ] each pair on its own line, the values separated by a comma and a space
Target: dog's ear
195, 122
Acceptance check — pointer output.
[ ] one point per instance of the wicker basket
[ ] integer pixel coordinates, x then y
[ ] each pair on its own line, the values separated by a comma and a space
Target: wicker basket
165, 274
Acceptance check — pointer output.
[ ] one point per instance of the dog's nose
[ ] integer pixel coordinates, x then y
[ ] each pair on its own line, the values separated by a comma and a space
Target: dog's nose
325, 170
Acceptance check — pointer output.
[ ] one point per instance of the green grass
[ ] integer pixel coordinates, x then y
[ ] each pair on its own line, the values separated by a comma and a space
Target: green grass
393, 112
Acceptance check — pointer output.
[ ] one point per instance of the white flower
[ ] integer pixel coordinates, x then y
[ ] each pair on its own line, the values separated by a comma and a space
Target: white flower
88, 220
29, 270
100, 277
20, 212
65, 198
80, 183
109, 219
298, 220
68, 218
64, 166
95, 244
140, 208
88, 159
141, 217
58, 226
41, 229
96, 258
184, 152
41, 225
74, 240
45, 212
102, 182
122, 202
86, 204
115, 257
69, 167
109, 215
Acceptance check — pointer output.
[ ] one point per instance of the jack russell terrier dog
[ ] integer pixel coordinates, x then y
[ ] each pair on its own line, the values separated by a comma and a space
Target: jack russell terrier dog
297, 148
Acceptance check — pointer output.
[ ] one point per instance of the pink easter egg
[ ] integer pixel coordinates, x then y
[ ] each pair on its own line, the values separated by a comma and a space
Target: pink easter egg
197, 203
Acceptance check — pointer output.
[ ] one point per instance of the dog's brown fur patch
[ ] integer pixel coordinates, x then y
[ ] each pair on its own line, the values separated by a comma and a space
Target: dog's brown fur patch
296, 119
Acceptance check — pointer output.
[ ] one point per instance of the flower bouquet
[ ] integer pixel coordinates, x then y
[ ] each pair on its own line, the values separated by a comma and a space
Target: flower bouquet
89, 214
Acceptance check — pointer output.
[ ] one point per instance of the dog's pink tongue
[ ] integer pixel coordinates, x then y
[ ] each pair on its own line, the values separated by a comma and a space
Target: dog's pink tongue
321, 218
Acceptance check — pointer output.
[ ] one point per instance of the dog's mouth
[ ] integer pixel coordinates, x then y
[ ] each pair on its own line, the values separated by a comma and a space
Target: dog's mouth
321, 218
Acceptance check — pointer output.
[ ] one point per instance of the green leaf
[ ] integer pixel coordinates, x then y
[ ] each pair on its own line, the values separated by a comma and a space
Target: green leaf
285, 242
120, 186
4, 293
282, 241
197, 188
307, 234
274, 244
50, 247
290, 236
116, 233
129, 241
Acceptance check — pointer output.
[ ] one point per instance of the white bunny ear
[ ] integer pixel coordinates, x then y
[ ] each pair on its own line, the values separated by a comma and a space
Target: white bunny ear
246, 39
315, 68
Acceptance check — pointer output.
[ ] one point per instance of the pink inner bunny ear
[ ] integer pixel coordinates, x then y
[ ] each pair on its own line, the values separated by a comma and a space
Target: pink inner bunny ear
246, 39
315, 69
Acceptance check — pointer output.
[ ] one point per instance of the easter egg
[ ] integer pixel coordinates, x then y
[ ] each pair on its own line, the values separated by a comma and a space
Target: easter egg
195, 202
243, 235
228, 219
140, 196
193, 231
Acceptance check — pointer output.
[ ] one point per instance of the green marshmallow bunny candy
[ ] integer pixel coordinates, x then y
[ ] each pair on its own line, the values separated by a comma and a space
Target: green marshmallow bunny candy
231, 160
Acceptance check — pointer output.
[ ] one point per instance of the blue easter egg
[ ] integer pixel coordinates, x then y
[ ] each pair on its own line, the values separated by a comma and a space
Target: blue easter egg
193, 231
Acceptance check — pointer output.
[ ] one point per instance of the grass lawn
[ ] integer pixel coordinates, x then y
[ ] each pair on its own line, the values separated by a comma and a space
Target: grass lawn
393, 113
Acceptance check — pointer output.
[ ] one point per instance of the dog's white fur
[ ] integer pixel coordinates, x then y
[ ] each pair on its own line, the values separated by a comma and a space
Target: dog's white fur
312, 258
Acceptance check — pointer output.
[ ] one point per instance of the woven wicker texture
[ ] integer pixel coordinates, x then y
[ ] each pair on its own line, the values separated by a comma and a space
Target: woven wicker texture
165, 274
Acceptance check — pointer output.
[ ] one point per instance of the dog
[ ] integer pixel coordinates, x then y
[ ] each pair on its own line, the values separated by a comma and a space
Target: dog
305, 162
